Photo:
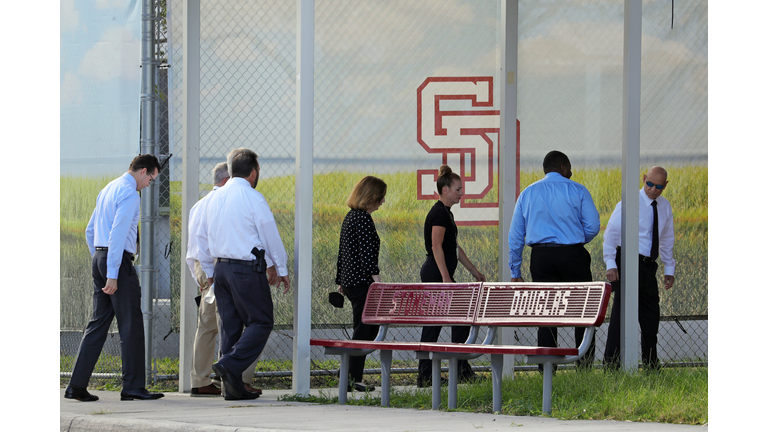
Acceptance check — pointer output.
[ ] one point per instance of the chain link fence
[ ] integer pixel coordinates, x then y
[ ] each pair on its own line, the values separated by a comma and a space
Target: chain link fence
373, 60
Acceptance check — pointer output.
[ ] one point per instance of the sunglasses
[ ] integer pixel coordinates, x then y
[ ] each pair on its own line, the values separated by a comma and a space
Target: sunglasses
651, 184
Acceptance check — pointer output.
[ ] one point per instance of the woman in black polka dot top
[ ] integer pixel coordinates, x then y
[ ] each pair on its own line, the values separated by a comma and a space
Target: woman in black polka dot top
358, 263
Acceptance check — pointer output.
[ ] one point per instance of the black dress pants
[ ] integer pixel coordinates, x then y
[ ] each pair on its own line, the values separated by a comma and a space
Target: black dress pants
563, 263
125, 305
459, 334
357, 295
244, 302
648, 313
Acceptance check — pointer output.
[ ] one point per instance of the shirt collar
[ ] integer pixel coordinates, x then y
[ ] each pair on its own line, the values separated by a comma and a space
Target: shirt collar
239, 181
553, 173
645, 198
132, 181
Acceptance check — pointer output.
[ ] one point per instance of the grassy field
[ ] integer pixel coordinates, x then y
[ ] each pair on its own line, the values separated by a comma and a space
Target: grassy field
400, 225
675, 395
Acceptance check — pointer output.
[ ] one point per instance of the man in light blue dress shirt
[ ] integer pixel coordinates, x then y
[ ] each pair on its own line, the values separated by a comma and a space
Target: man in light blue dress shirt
556, 217
112, 235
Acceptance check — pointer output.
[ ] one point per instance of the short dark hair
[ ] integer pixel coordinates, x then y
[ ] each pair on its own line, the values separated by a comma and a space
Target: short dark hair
367, 193
445, 177
244, 162
147, 161
231, 155
553, 160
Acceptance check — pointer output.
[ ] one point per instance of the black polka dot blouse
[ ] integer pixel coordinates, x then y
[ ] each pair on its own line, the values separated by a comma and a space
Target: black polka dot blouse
358, 250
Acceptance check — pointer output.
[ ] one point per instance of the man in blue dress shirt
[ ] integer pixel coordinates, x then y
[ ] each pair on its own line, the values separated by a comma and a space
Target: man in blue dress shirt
112, 235
556, 217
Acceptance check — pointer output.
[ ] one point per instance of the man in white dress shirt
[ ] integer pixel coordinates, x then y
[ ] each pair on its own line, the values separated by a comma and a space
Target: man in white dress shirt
112, 235
203, 351
657, 238
241, 232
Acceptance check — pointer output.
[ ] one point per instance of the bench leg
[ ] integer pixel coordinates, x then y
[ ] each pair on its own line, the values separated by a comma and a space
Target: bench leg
546, 402
497, 367
453, 382
435, 383
386, 370
343, 378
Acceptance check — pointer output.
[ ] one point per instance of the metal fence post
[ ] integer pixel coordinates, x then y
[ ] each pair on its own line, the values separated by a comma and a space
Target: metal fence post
148, 204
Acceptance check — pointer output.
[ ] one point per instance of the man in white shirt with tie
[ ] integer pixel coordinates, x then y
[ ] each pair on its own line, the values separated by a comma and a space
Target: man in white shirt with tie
657, 238
112, 235
241, 231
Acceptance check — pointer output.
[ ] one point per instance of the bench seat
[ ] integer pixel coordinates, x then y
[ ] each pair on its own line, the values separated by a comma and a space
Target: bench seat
497, 349
495, 305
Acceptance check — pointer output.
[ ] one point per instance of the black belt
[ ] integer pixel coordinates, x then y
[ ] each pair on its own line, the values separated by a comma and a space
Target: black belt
258, 265
643, 258
551, 245
103, 249
235, 261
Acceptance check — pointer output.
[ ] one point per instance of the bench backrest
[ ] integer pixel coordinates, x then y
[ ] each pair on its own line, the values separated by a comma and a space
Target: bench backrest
543, 304
422, 303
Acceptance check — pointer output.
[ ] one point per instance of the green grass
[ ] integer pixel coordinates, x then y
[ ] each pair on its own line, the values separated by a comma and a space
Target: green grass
400, 225
673, 395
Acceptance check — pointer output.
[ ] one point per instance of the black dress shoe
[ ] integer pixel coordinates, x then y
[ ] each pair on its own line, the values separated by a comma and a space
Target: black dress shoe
140, 394
79, 393
246, 395
233, 386
361, 387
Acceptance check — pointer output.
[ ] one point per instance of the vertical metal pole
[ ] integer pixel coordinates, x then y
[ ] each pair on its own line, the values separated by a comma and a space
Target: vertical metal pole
453, 382
302, 293
497, 362
630, 207
507, 152
148, 195
190, 172
386, 376
546, 397
436, 382
343, 377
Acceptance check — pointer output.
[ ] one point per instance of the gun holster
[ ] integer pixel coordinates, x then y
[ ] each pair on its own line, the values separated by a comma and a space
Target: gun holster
259, 264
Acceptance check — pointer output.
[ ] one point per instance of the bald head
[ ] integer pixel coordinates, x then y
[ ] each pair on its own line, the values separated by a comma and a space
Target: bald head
657, 176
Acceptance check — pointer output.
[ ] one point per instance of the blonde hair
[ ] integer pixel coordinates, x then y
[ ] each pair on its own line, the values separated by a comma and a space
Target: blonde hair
445, 178
367, 192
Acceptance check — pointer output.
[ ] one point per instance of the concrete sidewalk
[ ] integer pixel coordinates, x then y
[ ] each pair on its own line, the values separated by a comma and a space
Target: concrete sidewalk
180, 412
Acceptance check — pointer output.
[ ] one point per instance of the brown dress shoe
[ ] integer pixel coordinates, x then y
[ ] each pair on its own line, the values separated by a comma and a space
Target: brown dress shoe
251, 389
209, 390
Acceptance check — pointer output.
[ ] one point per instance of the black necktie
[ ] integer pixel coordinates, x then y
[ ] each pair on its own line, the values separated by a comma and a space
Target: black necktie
655, 237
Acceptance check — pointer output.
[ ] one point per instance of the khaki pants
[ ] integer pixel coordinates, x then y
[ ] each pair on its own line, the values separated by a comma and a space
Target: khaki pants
205, 338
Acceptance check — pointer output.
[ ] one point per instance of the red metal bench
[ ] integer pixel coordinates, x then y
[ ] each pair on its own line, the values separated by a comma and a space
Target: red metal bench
524, 304
489, 304
421, 304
